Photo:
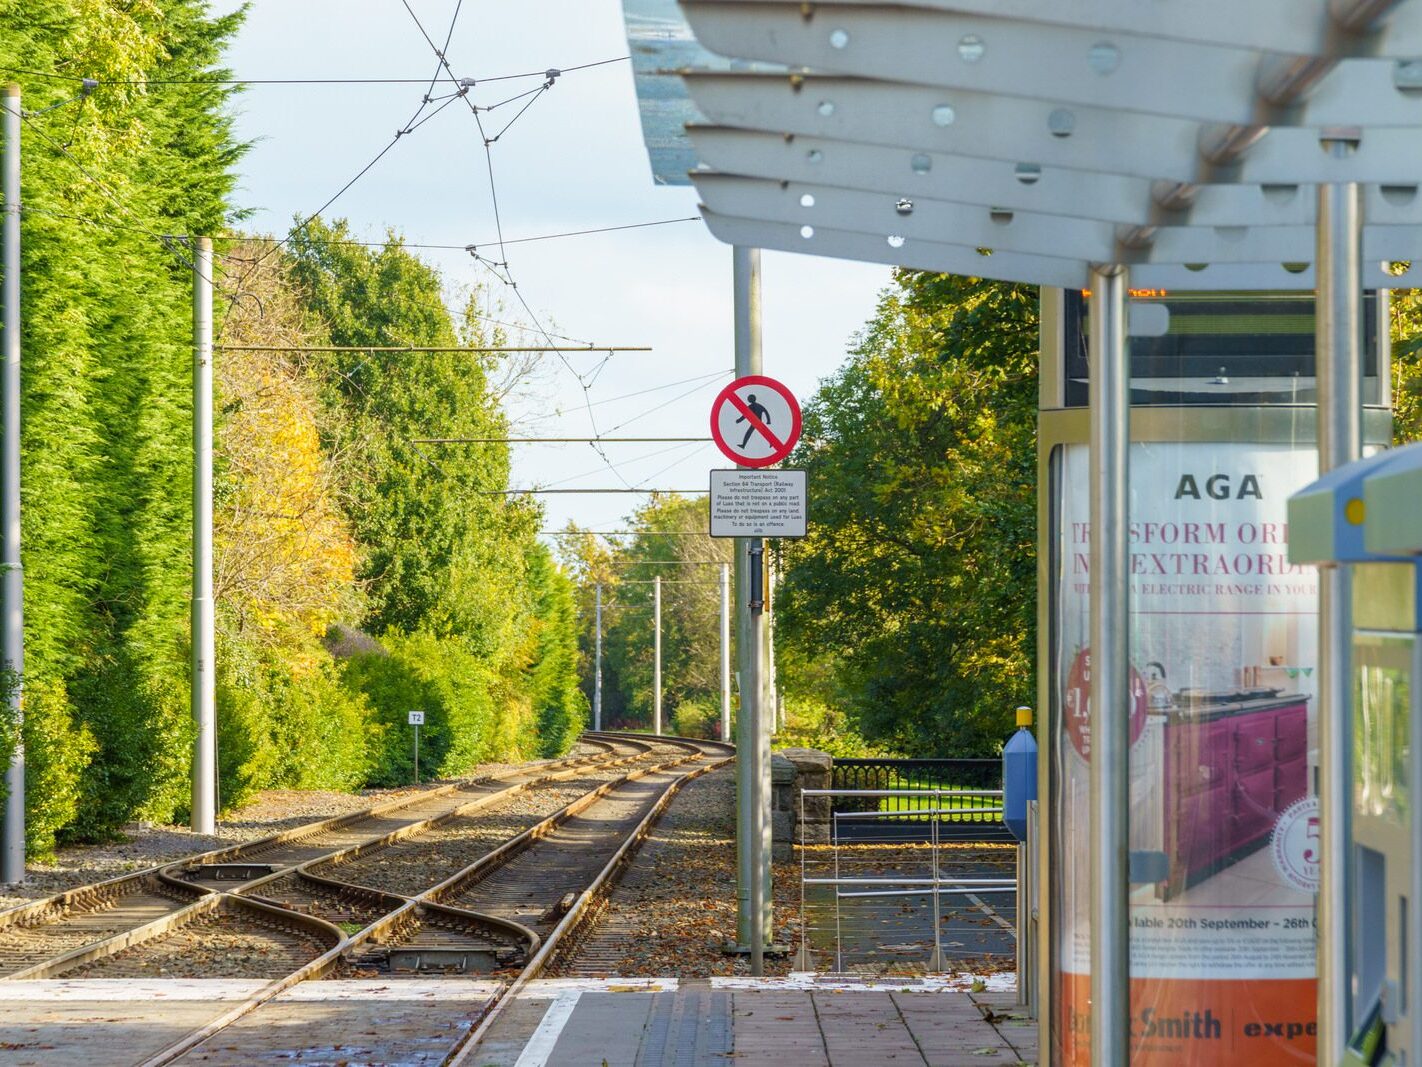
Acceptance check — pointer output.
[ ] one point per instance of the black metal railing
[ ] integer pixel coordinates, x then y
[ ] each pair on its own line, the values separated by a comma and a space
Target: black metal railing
971, 815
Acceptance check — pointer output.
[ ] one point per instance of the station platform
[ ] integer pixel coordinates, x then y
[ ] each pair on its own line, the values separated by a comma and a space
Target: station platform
803, 1021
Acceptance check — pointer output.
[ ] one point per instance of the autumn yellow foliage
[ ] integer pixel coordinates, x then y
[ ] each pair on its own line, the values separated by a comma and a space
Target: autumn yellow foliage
284, 557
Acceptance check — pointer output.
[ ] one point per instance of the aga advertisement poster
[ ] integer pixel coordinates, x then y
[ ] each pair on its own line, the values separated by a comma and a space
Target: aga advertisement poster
1223, 824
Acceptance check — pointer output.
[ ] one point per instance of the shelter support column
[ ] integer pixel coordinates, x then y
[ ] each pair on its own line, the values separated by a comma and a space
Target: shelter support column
1339, 325
1110, 668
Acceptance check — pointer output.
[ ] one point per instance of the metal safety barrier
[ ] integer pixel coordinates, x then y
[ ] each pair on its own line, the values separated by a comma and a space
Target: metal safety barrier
874, 788
902, 867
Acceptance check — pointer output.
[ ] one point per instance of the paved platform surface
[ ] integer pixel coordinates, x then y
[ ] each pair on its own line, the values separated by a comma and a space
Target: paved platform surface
718, 1022
782, 1022
66, 1023
118, 1022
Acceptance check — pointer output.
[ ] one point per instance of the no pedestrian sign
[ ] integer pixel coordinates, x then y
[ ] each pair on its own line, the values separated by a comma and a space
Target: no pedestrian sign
755, 421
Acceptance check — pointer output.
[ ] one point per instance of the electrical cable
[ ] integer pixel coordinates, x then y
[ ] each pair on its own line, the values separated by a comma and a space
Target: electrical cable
582, 382
630, 460
105, 83
435, 246
541, 90
623, 533
172, 243
507, 276
659, 407
658, 388
535, 491
676, 463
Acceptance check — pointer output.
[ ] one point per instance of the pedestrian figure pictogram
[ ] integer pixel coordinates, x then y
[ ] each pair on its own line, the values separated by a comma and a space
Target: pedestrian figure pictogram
760, 412
755, 421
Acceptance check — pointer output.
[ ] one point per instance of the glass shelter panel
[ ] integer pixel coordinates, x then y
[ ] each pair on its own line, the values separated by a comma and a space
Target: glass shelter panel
1218, 348
1224, 675
1382, 724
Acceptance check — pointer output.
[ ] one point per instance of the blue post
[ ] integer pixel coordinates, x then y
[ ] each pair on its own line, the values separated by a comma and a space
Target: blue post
1019, 775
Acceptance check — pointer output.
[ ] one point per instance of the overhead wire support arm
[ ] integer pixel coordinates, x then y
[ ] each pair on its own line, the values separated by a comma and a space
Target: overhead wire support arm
550, 492
486, 349
556, 440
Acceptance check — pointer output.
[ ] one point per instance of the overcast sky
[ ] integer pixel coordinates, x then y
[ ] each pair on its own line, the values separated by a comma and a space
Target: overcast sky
573, 161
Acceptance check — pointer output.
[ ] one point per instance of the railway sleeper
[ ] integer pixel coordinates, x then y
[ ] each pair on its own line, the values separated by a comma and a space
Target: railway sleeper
559, 909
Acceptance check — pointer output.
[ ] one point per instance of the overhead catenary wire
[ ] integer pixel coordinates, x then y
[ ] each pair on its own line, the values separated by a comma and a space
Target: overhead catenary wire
659, 407
624, 533
426, 245
483, 349
169, 241
583, 382
419, 118
633, 459
106, 82
507, 277
556, 440
664, 581
684, 457
439, 246
582, 343
703, 378
678, 562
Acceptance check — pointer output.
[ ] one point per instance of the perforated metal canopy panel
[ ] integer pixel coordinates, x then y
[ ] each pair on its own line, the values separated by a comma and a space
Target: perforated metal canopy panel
1026, 142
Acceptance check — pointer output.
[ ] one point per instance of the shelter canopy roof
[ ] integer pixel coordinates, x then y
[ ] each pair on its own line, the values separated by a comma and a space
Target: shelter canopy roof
1026, 142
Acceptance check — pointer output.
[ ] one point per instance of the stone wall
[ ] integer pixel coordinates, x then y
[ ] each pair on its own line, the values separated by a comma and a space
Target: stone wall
791, 770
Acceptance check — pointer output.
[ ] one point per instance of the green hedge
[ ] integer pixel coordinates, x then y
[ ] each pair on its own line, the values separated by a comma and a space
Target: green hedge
464, 723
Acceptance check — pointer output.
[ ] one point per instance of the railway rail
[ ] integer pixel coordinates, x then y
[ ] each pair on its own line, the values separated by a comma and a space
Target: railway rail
449, 882
46, 938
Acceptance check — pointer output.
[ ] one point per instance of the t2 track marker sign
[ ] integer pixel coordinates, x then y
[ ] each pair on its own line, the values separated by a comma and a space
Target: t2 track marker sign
755, 421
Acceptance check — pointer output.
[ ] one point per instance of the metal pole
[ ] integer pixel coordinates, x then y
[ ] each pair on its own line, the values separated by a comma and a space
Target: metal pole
749, 798
657, 656
417, 753
1024, 929
754, 710
597, 663
204, 813
725, 652
936, 963
1338, 322
12, 854
765, 726
1110, 668
772, 681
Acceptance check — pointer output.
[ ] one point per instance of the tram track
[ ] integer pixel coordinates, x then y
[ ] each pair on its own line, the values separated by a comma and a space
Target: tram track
507, 914
48, 937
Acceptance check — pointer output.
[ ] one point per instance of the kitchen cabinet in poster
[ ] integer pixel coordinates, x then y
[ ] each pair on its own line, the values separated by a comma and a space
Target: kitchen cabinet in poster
1223, 645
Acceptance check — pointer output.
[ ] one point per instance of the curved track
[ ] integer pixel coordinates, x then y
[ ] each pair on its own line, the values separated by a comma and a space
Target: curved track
50, 937
356, 910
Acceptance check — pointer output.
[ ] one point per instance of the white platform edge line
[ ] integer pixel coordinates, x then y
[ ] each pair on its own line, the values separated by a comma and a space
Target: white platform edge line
432, 989
118, 990
540, 1045
809, 981
547, 988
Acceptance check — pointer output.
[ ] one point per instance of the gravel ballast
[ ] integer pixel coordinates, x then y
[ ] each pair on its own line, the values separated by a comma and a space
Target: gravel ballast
675, 907
271, 811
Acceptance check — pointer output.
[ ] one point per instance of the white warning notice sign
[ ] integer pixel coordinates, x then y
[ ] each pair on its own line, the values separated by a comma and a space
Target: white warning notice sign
758, 503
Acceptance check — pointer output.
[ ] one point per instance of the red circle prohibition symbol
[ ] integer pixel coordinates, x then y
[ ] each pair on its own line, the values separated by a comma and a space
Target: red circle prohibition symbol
780, 439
